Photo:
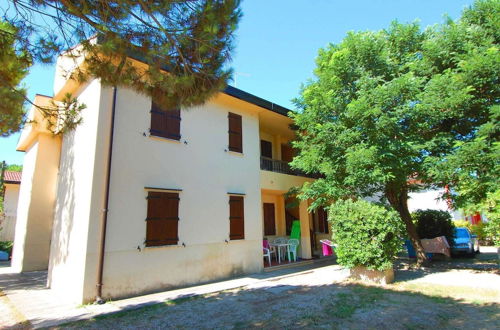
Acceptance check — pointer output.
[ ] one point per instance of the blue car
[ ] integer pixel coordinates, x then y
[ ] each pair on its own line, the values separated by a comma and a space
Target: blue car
465, 242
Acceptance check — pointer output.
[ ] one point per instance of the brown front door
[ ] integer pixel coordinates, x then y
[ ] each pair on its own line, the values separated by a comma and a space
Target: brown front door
269, 219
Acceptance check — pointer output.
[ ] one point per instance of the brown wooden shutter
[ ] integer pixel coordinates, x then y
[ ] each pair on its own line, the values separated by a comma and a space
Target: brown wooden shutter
162, 221
236, 218
165, 123
287, 153
266, 149
269, 219
235, 133
322, 221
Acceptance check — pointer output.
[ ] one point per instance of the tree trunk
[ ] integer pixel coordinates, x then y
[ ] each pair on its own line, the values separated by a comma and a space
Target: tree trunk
398, 198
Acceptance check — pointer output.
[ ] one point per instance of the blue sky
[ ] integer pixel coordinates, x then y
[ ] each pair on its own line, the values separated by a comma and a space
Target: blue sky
277, 42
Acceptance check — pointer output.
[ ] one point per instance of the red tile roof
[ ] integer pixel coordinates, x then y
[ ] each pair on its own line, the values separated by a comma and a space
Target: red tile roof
12, 177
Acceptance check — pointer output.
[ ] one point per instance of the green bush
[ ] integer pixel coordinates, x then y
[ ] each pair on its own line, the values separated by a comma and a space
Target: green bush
366, 234
6, 246
492, 229
434, 223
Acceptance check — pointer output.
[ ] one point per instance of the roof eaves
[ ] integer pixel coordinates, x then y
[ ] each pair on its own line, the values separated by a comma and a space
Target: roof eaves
250, 98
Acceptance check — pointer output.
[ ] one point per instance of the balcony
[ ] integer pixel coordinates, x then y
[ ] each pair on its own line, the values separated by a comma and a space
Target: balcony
279, 166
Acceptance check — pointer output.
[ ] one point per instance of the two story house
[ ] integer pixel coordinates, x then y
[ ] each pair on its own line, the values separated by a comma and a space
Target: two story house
137, 199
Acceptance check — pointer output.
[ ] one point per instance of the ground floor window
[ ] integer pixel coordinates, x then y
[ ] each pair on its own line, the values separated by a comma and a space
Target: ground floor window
162, 222
236, 217
269, 219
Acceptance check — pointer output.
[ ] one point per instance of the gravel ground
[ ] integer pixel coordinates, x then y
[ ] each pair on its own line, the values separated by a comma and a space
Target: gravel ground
437, 297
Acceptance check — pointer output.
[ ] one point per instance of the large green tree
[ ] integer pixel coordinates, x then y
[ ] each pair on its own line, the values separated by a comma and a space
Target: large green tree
387, 107
13, 69
191, 40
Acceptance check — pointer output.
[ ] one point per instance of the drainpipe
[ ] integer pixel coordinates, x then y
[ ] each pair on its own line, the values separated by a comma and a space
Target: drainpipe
104, 218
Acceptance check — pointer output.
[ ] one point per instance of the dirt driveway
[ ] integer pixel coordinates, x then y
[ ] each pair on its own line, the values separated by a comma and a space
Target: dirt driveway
457, 294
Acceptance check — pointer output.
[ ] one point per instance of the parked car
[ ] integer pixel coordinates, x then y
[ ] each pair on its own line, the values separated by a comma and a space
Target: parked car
465, 242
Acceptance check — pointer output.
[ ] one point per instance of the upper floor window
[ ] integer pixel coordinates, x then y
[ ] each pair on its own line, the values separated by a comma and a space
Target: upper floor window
165, 123
235, 133
266, 149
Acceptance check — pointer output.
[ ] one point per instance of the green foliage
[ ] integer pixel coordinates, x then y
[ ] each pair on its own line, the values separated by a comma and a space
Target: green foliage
492, 230
434, 223
401, 109
367, 234
191, 40
14, 167
14, 68
6, 246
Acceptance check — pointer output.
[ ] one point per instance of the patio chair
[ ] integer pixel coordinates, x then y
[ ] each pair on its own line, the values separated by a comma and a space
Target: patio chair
292, 249
268, 251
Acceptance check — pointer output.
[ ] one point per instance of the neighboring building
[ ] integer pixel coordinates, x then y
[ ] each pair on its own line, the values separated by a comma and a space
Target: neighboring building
431, 199
192, 193
12, 182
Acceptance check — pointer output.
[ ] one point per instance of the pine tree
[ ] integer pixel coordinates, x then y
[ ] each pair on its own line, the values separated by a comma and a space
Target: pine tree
186, 44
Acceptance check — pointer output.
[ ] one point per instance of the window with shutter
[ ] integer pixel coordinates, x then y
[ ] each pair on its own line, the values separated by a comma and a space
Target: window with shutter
162, 220
266, 149
269, 219
235, 132
165, 123
322, 220
236, 218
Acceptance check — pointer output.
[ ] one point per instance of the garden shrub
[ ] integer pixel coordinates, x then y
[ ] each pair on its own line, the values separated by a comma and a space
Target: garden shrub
6, 246
366, 234
434, 223
492, 229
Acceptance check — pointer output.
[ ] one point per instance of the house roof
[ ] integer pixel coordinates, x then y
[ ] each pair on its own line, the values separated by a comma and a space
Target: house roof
250, 98
12, 177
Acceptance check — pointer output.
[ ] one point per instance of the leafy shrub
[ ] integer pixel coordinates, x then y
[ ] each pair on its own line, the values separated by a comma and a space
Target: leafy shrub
434, 223
492, 229
6, 246
366, 234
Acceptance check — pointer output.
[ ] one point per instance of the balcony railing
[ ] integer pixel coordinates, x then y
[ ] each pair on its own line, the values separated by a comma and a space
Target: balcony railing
279, 166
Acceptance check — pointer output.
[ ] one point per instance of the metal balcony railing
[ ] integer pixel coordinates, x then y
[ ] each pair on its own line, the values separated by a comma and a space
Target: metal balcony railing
279, 166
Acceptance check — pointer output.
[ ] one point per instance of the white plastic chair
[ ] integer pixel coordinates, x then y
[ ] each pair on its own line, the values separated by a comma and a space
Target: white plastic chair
292, 248
268, 250
267, 253
281, 240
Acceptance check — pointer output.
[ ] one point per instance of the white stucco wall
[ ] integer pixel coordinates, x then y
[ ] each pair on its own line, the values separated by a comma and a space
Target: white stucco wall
35, 210
74, 208
8, 224
199, 165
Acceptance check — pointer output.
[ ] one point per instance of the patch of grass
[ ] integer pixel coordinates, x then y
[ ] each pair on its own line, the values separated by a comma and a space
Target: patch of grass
311, 319
345, 304
440, 293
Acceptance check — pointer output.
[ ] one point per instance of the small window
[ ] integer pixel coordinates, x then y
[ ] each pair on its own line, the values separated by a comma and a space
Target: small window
236, 218
269, 219
235, 133
162, 220
322, 220
266, 149
165, 123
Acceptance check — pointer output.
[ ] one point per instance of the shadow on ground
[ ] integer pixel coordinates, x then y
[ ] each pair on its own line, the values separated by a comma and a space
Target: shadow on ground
346, 306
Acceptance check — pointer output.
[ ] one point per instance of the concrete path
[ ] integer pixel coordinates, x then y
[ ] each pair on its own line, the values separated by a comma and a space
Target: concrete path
42, 307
